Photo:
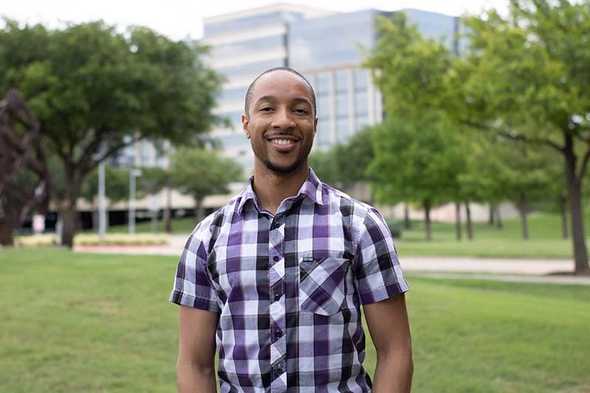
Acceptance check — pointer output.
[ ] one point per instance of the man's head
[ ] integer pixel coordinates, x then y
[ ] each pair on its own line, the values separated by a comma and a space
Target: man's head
280, 120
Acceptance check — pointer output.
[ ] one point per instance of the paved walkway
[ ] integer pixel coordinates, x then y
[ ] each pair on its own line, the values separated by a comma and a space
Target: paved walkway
521, 270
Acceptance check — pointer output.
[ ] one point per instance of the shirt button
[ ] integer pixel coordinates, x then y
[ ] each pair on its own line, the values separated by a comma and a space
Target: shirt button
278, 334
276, 259
276, 296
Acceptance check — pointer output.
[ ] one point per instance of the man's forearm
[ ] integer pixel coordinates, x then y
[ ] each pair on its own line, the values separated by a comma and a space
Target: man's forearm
193, 379
393, 373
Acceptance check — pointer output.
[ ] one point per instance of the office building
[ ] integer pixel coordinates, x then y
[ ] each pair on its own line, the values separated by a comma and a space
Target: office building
327, 47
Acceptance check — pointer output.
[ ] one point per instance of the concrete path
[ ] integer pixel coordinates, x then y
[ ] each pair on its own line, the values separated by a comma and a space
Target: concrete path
521, 270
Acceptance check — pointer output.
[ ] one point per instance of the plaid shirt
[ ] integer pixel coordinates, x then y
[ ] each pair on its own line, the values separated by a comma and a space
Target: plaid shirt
288, 288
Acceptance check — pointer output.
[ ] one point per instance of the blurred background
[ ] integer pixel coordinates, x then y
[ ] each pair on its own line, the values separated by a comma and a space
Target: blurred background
466, 123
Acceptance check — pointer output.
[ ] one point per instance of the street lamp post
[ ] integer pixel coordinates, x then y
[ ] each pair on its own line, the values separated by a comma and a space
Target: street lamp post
133, 174
102, 216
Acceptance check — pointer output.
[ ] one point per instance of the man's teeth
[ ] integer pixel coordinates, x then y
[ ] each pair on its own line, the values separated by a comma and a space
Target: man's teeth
282, 141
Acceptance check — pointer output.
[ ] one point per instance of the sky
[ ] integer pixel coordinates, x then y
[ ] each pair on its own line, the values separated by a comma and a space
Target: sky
179, 19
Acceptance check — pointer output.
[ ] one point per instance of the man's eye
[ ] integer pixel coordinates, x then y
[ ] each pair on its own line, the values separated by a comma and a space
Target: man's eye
266, 109
301, 111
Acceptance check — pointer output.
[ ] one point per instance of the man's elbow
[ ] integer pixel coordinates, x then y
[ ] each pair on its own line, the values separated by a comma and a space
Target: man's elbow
203, 367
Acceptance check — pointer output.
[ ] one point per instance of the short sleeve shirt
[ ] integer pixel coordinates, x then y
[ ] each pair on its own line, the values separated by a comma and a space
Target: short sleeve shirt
288, 288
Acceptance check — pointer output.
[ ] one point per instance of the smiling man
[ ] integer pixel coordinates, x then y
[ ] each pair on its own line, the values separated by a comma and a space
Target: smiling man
275, 281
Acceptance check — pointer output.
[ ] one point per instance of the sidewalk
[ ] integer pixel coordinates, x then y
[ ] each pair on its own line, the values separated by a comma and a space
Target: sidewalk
518, 270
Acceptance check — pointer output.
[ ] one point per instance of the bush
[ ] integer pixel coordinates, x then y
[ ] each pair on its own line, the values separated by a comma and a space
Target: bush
395, 228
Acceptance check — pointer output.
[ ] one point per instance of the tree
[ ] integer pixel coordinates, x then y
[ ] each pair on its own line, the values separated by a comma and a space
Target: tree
202, 172
24, 183
524, 79
152, 181
116, 187
415, 160
347, 163
417, 154
95, 90
325, 165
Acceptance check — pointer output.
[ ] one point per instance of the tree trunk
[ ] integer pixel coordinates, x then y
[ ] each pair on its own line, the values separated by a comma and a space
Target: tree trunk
69, 212
199, 209
458, 231
168, 211
499, 223
8, 223
523, 210
574, 186
68, 227
492, 214
407, 222
427, 223
564, 224
468, 221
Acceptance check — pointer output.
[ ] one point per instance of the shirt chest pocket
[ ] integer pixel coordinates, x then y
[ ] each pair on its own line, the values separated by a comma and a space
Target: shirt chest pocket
322, 284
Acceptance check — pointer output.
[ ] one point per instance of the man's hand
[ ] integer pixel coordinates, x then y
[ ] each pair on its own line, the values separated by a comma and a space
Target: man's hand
390, 330
195, 368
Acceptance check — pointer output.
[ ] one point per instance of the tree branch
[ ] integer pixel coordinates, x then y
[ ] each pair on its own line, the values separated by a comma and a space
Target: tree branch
515, 137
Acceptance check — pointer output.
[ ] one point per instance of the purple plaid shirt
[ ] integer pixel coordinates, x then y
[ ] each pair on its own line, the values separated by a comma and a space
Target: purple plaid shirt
288, 288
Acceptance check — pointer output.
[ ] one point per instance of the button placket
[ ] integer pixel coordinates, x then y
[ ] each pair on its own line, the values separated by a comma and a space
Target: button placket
276, 272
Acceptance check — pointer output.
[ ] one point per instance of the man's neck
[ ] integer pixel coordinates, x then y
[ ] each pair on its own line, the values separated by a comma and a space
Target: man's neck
272, 188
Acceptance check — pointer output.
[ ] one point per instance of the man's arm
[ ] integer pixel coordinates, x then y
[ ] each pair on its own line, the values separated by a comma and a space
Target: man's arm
196, 351
388, 325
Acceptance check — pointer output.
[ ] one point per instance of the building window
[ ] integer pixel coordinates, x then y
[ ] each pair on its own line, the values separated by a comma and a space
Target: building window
341, 81
361, 103
324, 107
341, 105
361, 79
323, 83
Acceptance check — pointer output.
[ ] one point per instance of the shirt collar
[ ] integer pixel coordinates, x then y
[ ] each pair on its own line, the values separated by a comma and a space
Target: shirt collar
311, 188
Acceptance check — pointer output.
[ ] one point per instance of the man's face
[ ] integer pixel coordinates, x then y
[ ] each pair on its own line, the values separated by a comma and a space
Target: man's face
281, 122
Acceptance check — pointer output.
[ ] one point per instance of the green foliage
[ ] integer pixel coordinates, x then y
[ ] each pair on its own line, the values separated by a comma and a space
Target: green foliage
325, 166
116, 184
347, 163
96, 90
408, 69
415, 160
202, 172
152, 180
419, 151
528, 69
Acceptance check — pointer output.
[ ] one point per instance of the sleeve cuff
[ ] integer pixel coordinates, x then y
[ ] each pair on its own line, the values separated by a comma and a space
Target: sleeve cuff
183, 299
384, 293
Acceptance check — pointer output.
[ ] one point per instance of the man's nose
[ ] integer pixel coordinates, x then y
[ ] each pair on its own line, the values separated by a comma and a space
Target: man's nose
282, 119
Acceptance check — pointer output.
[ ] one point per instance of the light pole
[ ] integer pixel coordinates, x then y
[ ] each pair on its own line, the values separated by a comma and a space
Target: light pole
102, 216
133, 174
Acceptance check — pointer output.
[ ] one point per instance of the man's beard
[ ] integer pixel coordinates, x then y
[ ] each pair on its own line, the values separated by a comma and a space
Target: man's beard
282, 170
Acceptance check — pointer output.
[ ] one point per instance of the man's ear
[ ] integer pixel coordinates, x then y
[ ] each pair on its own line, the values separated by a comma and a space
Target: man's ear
245, 123
315, 125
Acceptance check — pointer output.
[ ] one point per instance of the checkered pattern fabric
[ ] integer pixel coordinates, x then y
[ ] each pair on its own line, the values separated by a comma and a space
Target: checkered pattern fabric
288, 288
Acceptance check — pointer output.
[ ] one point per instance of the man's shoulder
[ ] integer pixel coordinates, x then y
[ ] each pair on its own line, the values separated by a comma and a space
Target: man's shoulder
211, 224
347, 203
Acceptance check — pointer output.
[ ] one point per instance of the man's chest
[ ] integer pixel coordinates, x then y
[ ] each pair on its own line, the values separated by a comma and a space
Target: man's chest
301, 262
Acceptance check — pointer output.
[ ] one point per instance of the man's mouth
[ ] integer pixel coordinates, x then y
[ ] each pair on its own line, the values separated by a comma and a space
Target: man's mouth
283, 144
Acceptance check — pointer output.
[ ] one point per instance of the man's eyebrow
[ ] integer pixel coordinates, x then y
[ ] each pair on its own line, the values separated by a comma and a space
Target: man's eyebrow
265, 98
273, 98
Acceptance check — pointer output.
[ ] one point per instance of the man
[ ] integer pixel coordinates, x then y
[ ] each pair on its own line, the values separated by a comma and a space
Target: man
275, 279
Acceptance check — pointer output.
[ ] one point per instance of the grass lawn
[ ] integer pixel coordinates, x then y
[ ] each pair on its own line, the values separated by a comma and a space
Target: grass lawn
101, 323
544, 240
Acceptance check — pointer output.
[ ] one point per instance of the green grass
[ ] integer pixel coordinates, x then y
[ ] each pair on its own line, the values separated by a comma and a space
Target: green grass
101, 323
544, 242
545, 239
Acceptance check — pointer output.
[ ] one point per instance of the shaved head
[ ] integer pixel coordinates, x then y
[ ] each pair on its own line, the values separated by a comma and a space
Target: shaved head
252, 85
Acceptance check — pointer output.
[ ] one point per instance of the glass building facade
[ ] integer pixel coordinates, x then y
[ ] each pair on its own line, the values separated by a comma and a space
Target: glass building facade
327, 47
